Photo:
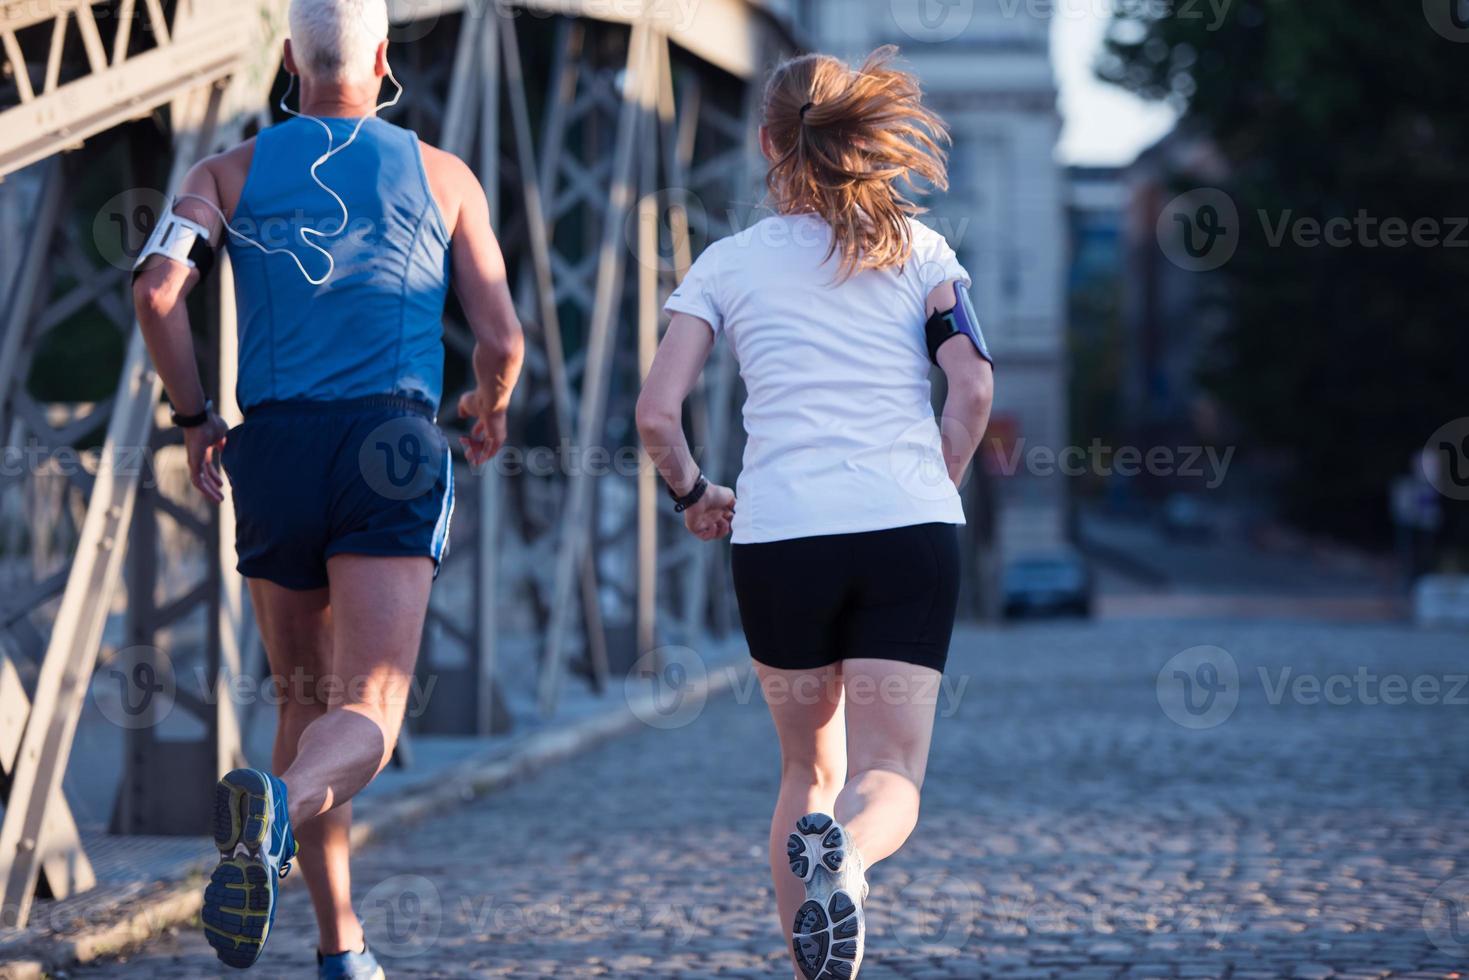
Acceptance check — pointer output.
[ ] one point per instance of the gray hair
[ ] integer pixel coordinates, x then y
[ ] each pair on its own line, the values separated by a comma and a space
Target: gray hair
336, 40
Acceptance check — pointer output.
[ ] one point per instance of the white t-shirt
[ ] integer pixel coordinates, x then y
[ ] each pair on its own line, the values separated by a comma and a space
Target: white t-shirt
842, 435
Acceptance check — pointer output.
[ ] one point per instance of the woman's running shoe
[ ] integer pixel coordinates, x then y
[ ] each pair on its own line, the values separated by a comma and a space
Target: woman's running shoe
828, 932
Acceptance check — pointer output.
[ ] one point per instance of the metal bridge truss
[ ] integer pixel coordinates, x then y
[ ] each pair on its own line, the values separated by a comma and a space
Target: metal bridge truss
610, 144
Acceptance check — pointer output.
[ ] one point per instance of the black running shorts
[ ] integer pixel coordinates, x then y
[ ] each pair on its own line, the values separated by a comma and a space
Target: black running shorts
884, 595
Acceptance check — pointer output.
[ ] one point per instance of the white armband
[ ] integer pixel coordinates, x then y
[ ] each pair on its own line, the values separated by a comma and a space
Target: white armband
176, 237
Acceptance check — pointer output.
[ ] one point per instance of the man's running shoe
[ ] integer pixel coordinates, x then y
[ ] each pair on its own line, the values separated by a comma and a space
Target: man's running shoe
349, 966
828, 932
252, 829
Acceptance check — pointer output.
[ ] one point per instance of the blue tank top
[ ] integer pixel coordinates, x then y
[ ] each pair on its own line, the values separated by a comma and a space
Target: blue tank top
376, 326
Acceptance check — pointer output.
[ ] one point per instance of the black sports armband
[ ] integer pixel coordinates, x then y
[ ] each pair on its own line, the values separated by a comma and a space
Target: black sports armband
944, 326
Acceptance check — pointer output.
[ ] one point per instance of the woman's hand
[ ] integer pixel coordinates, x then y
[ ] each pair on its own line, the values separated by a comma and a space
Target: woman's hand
710, 518
204, 443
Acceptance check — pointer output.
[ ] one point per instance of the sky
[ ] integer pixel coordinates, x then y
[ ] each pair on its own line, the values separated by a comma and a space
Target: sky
1104, 125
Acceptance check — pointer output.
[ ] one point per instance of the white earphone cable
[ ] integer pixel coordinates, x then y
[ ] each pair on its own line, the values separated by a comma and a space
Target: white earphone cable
308, 234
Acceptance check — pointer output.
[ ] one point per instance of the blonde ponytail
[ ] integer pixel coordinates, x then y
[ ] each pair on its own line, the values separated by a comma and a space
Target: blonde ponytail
848, 145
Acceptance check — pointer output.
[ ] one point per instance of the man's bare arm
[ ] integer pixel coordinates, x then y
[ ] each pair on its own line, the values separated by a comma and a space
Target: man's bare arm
159, 298
480, 282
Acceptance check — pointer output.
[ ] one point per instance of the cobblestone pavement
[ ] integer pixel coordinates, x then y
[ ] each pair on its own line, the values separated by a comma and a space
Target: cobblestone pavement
1280, 827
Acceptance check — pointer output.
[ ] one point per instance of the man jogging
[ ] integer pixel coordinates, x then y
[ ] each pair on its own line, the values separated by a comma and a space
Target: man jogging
345, 235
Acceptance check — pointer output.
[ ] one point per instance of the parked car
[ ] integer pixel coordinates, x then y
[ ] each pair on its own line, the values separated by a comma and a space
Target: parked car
1052, 584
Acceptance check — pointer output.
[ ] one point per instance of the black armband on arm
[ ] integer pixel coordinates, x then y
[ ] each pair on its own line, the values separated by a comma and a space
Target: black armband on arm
960, 321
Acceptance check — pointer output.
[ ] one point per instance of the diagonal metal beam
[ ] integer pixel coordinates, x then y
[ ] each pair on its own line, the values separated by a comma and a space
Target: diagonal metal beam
576, 523
63, 860
71, 653
65, 115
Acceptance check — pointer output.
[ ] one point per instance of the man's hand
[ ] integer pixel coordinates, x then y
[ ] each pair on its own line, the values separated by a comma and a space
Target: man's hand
710, 518
204, 443
487, 437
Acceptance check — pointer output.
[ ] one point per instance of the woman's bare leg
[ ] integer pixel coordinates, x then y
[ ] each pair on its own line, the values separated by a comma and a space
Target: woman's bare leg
890, 709
806, 706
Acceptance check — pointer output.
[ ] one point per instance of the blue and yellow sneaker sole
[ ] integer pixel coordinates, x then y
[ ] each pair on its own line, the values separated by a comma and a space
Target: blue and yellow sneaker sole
239, 902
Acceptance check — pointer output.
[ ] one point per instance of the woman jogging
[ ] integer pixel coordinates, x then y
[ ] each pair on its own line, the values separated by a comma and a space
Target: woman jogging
846, 557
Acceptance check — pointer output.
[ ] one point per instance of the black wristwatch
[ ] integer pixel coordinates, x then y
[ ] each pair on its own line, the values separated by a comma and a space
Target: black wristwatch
193, 421
681, 504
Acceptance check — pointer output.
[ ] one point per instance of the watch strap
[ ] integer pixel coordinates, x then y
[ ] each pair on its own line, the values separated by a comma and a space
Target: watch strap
681, 504
193, 421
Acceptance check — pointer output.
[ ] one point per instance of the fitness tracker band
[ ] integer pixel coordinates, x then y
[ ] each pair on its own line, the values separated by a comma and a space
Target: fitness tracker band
193, 421
681, 504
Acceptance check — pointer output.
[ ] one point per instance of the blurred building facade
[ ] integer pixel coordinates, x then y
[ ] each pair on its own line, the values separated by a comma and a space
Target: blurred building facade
1169, 320
986, 68
1096, 205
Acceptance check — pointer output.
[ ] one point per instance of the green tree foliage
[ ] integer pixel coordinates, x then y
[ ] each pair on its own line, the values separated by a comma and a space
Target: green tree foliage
1347, 355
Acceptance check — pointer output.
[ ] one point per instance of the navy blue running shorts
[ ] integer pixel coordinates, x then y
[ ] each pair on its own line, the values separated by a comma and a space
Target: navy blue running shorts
882, 595
371, 476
